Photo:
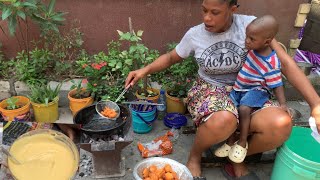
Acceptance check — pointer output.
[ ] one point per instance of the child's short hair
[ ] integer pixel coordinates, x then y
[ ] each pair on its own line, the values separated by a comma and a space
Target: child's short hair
268, 25
231, 2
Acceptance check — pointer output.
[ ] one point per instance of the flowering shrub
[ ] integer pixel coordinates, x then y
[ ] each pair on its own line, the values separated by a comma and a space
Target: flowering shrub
106, 73
96, 80
178, 88
103, 73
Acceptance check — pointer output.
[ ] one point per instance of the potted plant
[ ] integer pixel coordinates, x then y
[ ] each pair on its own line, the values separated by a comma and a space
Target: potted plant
176, 95
177, 80
139, 55
44, 102
15, 108
79, 97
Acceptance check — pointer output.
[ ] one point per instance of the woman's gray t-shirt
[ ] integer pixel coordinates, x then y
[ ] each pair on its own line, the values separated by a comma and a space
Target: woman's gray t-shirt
220, 56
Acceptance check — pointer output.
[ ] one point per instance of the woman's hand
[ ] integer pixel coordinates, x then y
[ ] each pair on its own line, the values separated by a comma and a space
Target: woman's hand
315, 113
134, 76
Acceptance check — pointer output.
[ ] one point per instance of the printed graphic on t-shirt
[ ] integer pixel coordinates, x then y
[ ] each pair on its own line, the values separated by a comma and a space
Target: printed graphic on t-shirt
222, 57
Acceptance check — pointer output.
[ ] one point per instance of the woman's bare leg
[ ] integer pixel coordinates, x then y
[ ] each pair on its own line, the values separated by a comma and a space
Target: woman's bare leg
271, 127
217, 129
68, 129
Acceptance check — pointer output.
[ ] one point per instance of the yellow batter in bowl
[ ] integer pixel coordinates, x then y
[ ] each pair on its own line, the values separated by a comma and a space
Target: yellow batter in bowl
44, 155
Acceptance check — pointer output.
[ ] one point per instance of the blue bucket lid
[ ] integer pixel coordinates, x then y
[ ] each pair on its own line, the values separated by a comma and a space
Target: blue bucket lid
175, 120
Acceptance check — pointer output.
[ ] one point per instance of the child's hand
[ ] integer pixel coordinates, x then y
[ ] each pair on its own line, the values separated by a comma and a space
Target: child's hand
285, 108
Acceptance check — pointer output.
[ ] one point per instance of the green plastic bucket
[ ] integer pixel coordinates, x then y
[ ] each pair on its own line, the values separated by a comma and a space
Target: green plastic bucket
298, 158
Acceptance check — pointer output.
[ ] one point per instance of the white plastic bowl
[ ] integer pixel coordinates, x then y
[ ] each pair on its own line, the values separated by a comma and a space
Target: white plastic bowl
181, 170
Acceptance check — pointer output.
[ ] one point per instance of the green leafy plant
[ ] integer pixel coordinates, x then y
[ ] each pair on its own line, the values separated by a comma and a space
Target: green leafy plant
113, 89
6, 67
19, 12
82, 59
34, 70
44, 94
12, 103
66, 48
179, 77
137, 55
80, 91
178, 89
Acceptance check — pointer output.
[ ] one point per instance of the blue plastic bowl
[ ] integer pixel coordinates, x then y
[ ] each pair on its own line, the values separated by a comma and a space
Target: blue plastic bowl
175, 120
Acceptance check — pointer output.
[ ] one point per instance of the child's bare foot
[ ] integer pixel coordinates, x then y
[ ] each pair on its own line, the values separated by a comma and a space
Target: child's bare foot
242, 143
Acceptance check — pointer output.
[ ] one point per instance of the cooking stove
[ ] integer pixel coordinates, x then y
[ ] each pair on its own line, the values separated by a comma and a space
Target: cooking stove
101, 154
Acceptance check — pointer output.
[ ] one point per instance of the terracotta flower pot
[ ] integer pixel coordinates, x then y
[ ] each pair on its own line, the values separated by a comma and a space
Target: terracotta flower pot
20, 114
153, 99
76, 104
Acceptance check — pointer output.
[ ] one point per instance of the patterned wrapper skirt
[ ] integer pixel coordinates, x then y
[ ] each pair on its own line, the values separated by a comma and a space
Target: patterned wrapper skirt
204, 99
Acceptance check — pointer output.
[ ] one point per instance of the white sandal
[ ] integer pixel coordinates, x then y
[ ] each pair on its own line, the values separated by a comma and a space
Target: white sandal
238, 153
222, 151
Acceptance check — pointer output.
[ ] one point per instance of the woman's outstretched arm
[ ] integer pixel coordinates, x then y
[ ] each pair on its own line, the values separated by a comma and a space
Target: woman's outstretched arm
298, 80
161, 63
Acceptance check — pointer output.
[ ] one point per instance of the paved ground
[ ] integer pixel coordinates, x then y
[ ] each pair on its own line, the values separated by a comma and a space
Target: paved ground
182, 146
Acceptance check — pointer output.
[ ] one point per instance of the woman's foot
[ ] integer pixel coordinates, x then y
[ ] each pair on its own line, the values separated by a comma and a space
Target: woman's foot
194, 167
240, 169
68, 130
70, 133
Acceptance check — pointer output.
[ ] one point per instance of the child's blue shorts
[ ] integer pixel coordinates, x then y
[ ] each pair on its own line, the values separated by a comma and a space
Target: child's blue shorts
252, 98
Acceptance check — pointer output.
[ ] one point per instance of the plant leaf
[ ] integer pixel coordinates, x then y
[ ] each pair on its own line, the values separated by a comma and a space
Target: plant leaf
119, 65
38, 16
12, 25
28, 4
139, 33
6, 13
21, 14
59, 16
120, 32
51, 6
128, 61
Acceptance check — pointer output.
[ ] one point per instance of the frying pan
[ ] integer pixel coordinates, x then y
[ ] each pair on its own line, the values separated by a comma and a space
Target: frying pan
92, 123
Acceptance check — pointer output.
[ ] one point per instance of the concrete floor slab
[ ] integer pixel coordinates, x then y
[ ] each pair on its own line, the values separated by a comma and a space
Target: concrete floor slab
181, 146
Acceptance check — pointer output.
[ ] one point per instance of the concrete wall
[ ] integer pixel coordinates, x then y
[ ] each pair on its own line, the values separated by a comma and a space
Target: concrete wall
163, 21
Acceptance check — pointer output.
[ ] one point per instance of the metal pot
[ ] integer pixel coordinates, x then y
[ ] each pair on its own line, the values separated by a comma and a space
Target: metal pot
305, 67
